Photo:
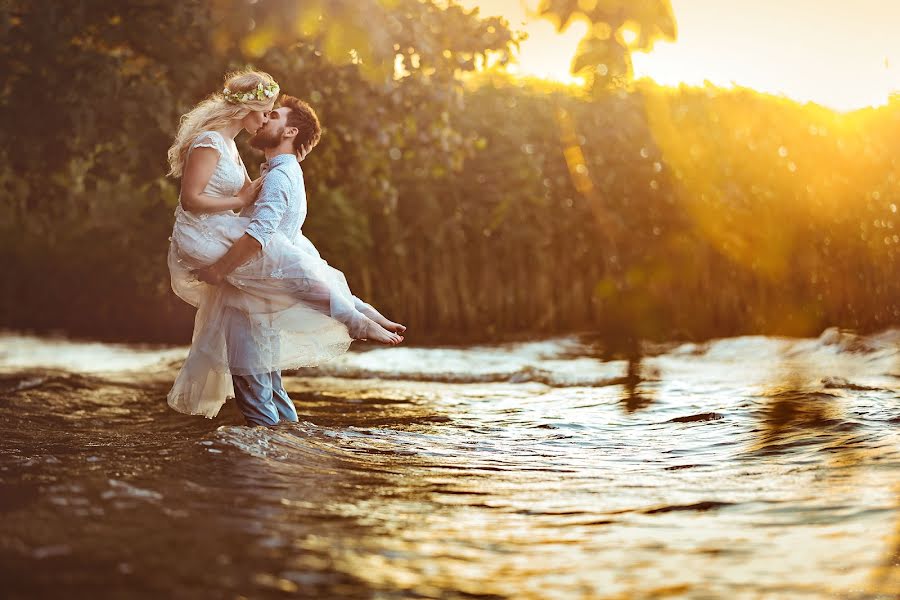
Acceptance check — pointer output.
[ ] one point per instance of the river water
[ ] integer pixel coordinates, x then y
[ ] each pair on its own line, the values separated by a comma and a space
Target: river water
752, 467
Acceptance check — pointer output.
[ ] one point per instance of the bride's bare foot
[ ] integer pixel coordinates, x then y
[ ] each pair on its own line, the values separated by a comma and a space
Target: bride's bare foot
392, 326
379, 318
377, 333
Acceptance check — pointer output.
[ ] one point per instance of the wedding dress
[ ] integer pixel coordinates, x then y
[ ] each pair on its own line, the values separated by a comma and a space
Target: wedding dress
300, 310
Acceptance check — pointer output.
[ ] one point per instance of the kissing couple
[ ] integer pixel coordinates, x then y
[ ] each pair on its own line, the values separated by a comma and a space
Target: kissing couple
266, 301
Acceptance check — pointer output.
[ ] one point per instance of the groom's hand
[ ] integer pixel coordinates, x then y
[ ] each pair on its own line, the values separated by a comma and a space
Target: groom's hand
209, 275
245, 248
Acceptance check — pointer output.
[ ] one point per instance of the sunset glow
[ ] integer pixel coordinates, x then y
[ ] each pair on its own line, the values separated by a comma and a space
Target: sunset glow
838, 54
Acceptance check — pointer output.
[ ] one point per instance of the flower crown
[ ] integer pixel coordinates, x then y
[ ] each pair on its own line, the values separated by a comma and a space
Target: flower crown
261, 92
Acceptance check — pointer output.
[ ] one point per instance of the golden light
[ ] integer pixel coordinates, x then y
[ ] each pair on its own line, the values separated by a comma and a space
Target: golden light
546, 53
834, 53
629, 36
838, 54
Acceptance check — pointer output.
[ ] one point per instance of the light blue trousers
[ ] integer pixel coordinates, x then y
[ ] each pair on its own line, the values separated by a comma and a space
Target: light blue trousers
261, 398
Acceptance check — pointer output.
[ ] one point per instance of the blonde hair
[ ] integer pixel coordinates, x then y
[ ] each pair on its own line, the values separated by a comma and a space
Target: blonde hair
216, 112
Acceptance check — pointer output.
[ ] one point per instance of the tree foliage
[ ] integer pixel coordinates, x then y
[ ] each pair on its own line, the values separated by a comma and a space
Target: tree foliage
604, 54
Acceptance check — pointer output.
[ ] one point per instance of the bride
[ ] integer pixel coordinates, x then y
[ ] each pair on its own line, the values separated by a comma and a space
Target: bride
283, 307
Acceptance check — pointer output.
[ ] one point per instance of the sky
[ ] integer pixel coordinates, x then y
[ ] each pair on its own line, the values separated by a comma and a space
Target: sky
841, 54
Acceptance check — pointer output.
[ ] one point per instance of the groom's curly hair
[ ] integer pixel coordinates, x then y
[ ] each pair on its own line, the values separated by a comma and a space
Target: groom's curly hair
304, 118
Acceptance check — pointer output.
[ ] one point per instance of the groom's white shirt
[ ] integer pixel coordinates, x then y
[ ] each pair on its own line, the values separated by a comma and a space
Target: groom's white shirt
281, 203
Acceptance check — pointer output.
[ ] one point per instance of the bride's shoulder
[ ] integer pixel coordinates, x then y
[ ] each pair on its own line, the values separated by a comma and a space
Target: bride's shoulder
208, 139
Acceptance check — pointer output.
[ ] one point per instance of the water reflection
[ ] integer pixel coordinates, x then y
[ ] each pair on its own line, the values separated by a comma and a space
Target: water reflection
634, 398
809, 411
794, 417
885, 578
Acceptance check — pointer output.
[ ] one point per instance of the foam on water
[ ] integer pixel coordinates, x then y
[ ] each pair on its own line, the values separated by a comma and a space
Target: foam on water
554, 362
26, 352
566, 361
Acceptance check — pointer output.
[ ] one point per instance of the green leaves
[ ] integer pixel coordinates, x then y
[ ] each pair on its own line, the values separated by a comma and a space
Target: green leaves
618, 27
370, 34
604, 63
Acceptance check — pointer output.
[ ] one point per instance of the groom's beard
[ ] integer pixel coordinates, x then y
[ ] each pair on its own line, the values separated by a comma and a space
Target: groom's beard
266, 138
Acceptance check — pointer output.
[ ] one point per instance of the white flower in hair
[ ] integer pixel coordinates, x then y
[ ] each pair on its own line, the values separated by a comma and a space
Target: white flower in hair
262, 91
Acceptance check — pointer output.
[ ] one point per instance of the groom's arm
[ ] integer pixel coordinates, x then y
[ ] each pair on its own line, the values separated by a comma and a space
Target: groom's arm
267, 214
240, 252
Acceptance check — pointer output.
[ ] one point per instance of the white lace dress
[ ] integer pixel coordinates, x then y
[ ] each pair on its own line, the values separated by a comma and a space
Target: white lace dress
295, 309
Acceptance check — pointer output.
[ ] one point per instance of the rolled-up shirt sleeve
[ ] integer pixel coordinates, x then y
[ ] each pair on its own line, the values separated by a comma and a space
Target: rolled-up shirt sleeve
270, 207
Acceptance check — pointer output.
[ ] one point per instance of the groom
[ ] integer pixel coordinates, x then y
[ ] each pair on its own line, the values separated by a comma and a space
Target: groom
289, 134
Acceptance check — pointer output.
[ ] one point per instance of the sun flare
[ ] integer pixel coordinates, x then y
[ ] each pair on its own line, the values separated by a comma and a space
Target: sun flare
798, 49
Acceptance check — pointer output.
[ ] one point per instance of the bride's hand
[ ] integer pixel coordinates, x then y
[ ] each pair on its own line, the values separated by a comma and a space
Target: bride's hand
247, 195
303, 151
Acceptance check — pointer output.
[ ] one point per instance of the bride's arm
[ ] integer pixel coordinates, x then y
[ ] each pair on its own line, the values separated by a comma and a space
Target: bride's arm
198, 169
267, 215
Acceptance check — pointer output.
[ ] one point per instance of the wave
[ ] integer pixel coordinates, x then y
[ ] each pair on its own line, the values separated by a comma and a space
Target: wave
526, 374
19, 351
572, 361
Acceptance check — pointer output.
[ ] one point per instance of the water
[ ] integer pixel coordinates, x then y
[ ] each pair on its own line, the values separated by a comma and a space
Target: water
750, 467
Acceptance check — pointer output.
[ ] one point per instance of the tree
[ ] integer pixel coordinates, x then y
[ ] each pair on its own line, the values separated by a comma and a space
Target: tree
617, 28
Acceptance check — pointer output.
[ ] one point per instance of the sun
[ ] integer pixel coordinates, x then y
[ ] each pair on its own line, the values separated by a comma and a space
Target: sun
842, 55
